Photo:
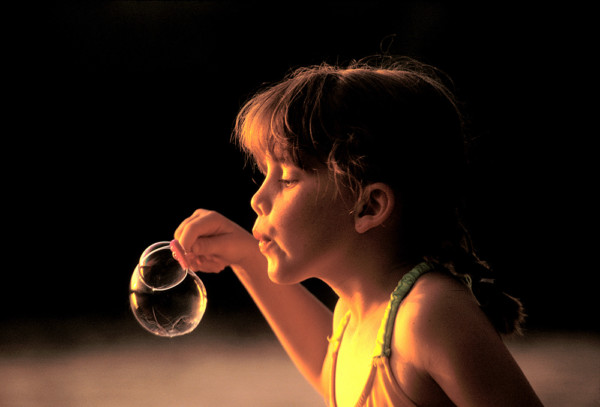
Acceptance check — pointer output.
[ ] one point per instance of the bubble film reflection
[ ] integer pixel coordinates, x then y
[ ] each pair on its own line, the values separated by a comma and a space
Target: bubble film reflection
158, 269
172, 311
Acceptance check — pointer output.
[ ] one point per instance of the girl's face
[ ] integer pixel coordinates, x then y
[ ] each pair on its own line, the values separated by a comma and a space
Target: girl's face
303, 224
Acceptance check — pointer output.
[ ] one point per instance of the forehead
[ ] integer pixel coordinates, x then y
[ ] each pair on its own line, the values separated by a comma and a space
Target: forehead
271, 164
265, 160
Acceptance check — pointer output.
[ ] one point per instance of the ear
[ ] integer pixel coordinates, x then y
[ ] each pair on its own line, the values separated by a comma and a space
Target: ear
375, 206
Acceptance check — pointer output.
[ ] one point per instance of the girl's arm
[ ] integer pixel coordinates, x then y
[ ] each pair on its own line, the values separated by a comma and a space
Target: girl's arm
300, 321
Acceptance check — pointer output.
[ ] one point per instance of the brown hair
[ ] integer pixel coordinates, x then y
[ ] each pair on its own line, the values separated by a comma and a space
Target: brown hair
385, 120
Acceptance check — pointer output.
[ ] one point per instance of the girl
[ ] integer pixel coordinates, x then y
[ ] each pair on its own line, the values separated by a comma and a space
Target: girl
364, 170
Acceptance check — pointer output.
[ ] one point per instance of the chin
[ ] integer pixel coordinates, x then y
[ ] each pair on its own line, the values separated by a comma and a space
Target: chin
283, 275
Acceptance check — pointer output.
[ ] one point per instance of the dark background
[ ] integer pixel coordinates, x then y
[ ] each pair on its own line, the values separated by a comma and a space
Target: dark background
121, 114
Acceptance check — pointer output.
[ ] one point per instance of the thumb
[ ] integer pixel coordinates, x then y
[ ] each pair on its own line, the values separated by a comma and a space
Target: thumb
210, 246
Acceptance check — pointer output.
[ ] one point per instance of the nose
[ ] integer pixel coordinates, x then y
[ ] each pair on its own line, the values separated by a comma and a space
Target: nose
259, 202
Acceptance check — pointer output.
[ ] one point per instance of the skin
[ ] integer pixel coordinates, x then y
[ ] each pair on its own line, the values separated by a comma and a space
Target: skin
444, 350
301, 223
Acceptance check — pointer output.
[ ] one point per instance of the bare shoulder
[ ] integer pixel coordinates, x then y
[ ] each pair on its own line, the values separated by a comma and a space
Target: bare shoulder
442, 333
439, 288
437, 311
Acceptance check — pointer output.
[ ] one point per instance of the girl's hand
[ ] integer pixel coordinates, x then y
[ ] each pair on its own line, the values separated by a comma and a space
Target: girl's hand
212, 242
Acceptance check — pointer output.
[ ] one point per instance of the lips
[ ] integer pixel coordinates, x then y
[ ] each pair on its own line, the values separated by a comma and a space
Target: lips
264, 241
264, 246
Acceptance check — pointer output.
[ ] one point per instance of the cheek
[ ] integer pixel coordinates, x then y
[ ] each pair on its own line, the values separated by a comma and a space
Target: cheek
317, 226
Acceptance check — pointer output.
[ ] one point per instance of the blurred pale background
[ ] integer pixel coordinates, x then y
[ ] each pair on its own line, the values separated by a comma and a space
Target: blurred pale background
227, 364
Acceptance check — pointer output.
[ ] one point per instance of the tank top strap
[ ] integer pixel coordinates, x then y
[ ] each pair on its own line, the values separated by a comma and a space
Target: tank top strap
336, 339
384, 335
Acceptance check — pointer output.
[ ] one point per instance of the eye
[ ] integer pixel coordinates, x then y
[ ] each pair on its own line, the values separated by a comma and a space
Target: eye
288, 183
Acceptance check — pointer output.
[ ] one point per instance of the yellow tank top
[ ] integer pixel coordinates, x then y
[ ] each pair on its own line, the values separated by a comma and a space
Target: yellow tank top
381, 388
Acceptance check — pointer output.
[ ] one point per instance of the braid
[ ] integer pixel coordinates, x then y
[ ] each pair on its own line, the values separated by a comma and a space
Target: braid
505, 312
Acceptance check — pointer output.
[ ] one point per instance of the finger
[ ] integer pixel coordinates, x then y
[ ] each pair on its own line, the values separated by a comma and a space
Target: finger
210, 246
203, 224
208, 264
179, 254
197, 213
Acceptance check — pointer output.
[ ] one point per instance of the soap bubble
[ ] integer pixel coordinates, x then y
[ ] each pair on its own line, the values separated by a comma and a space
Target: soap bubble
166, 299
158, 269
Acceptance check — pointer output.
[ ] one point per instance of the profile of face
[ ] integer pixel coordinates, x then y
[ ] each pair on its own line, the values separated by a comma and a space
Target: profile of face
304, 223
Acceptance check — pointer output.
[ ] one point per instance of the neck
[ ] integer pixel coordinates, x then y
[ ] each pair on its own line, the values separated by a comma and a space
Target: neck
364, 283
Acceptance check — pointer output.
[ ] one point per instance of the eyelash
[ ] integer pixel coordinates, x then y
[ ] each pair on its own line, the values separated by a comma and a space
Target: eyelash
258, 179
287, 183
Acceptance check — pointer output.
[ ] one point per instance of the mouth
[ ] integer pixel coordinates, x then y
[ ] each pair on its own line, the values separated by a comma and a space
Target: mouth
264, 241
264, 245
